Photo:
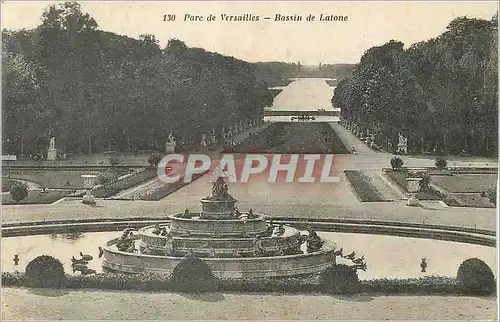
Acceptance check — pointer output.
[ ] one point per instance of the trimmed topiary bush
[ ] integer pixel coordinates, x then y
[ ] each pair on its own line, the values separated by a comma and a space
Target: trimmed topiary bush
440, 163
114, 160
154, 159
426, 180
340, 279
192, 275
476, 277
18, 191
44, 271
396, 163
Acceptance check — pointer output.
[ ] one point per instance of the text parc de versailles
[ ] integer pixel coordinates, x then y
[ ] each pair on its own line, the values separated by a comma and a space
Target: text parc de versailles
279, 17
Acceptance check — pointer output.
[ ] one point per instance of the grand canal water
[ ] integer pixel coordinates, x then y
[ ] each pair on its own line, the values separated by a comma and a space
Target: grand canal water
386, 256
304, 94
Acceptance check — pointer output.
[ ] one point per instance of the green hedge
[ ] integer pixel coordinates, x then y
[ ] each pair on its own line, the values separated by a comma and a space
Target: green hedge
305, 285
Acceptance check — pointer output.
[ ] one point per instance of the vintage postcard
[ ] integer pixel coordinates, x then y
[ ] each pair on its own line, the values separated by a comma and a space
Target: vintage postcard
249, 160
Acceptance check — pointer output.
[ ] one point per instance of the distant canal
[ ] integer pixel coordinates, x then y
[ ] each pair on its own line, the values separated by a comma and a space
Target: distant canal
386, 256
304, 94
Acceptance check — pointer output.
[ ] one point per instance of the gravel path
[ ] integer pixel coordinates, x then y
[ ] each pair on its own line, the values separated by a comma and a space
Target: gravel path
24, 304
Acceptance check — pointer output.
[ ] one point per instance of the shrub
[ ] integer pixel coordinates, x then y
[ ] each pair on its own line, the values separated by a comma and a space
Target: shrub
340, 279
18, 191
44, 271
475, 276
491, 194
440, 163
114, 160
154, 159
107, 177
6, 185
192, 275
426, 180
12, 279
425, 285
396, 163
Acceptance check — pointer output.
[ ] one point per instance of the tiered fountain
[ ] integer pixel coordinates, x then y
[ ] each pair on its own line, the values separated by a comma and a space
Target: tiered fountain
233, 244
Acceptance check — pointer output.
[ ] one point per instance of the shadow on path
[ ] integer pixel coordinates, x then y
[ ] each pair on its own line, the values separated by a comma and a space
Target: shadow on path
48, 292
204, 297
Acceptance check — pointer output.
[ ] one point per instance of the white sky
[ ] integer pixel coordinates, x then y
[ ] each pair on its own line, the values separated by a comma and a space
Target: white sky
369, 24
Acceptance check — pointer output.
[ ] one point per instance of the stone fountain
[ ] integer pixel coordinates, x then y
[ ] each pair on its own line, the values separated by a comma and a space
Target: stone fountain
233, 244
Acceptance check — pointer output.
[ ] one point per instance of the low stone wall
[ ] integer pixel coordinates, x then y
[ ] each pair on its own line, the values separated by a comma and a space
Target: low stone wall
456, 234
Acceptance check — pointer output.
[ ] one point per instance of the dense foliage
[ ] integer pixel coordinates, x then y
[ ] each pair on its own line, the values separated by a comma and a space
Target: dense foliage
340, 279
193, 275
396, 163
151, 282
475, 276
44, 271
18, 191
440, 163
441, 93
95, 90
491, 194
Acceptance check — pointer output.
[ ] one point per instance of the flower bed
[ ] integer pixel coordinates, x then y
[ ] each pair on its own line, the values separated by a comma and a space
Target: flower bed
364, 189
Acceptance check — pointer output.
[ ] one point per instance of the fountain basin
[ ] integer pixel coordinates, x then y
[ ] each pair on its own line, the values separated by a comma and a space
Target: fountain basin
228, 268
151, 243
220, 228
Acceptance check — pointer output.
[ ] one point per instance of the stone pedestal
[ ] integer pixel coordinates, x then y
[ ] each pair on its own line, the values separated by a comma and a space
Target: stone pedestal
413, 184
51, 154
218, 209
88, 198
413, 201
170, 147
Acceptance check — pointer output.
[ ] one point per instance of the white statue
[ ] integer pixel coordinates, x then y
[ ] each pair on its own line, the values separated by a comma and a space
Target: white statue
171, 138
402, 144
52, 145
203, 140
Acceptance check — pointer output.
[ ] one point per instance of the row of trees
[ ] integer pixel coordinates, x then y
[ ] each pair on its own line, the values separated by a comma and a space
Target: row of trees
95, 90
441, 94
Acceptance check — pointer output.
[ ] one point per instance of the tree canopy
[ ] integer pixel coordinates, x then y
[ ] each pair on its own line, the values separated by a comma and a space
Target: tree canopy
95, 90
441, 93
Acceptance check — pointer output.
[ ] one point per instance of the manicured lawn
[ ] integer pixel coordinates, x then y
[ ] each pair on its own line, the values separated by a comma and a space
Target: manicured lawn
365, 190
472, 200
37, 197
294, 138
124, 184
55, 179
467, 183
462, 190
164, 189
399, 177
332, 82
